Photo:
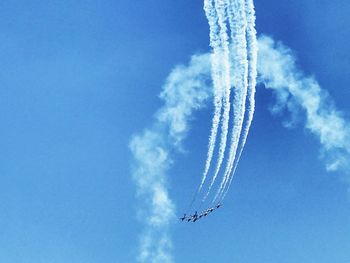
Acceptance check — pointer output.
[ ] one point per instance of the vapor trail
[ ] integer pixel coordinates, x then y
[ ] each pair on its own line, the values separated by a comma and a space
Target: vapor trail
295, 92
238, 23
252, 75
215, 43
221, 6
184, 92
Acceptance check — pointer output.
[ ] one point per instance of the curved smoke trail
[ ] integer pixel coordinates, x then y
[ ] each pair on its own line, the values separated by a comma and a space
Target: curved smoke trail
184, 92
221, 7
215, 43
238, 20
252, 75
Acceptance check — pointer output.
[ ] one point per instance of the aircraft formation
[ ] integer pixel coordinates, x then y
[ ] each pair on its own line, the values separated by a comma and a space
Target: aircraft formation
234, 74
193, 218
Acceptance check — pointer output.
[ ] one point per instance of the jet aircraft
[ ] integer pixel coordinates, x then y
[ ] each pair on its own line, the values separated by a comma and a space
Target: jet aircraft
183, 218
197, 216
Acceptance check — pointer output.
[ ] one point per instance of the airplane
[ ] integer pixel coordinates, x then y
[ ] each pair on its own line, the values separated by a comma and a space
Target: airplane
197, 216
210, 210
194, 218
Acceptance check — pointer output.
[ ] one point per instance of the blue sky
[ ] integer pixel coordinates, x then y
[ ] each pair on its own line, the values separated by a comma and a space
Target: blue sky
79, 78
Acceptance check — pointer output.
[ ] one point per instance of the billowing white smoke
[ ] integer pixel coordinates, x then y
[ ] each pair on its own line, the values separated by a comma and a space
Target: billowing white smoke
295, 91
229, 31
236, 17
251, 72
216, 73
221, 7
185, 90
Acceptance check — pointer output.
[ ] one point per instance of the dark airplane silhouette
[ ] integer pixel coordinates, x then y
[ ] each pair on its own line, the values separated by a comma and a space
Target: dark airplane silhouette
194, 218
183, 218
197, 216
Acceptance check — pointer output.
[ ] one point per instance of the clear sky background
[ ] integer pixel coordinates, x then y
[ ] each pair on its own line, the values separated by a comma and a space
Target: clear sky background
79, 78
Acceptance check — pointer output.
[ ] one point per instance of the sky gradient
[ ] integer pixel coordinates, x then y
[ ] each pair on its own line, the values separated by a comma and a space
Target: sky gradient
80, 78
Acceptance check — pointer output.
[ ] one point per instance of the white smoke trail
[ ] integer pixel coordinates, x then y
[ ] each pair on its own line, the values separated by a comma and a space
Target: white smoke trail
221, 6
185, 91
278, 71
252, 75
238, 24
215, 43
294, 91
